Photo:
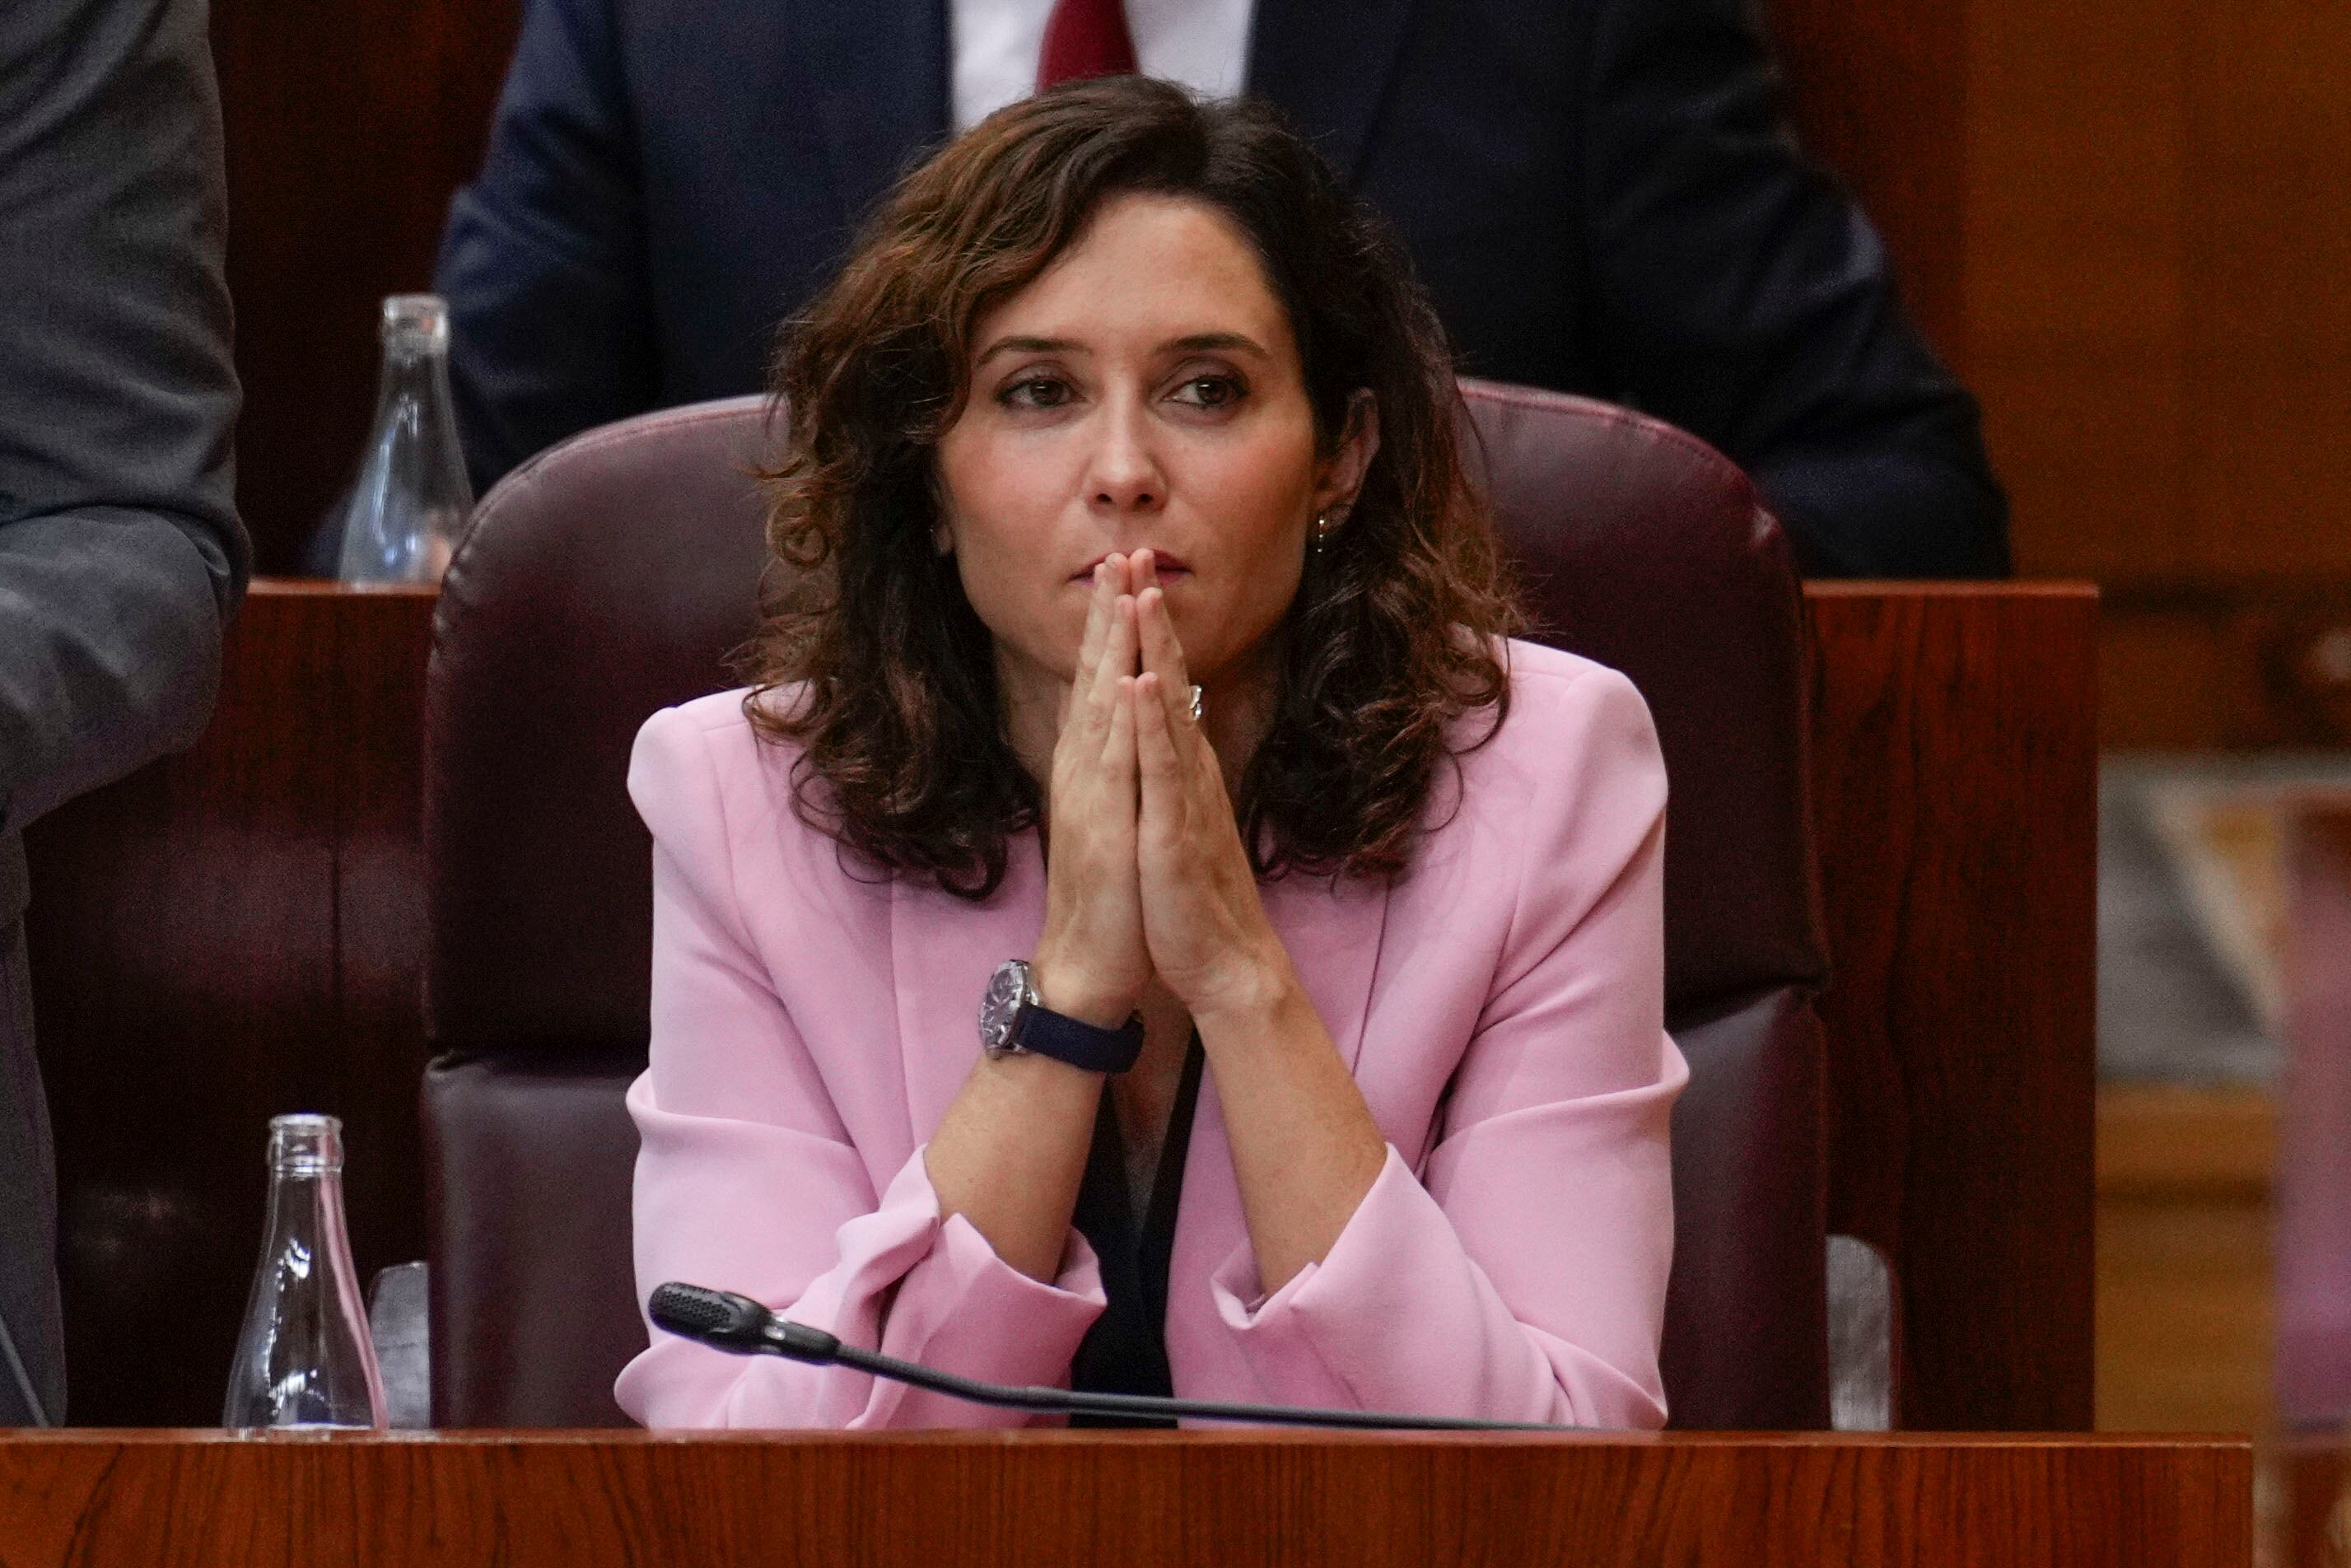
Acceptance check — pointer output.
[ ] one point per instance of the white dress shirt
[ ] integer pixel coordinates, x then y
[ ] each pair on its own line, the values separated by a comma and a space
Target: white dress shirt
1203, 44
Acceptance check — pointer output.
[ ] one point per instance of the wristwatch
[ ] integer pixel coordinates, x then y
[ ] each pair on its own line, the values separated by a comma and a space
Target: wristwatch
1013, 1021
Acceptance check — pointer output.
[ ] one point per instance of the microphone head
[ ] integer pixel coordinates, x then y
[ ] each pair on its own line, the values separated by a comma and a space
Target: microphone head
719, 1318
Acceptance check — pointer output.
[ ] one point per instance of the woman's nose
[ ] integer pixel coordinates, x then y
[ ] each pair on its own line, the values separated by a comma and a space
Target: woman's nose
1123, 473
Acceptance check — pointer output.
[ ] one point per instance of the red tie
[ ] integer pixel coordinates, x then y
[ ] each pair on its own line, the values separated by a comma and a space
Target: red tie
1085, 38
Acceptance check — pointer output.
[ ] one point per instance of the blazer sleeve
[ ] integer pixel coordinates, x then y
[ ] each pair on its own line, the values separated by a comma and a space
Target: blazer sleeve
746, 1180
543, 261
1739, 292
120, 553
1522, 1275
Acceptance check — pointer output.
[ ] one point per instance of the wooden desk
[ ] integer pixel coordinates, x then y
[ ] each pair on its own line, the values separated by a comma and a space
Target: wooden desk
237, 932
2308, 1488
1136, 1500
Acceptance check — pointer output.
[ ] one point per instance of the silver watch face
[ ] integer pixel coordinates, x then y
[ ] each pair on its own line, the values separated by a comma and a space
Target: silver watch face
1001, 1008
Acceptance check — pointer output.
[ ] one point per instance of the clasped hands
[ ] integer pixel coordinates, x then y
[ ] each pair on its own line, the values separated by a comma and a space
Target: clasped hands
1146, 872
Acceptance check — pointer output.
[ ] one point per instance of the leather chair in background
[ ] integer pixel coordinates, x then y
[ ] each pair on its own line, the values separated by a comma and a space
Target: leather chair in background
613, 575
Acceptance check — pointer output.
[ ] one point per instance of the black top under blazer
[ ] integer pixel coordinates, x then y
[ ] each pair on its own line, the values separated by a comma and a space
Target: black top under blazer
1602, 195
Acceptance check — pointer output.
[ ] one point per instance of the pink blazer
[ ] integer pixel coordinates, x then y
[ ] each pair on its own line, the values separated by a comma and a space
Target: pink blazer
1502, 1007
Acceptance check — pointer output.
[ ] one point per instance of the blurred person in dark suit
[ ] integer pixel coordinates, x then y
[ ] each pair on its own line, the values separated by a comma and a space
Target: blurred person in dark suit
120, 553
1601, 196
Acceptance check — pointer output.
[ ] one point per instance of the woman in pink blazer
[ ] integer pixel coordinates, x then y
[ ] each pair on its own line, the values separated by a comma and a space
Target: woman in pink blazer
1153, 703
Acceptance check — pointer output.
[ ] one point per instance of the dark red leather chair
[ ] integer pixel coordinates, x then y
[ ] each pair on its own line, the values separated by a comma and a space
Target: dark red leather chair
609, 576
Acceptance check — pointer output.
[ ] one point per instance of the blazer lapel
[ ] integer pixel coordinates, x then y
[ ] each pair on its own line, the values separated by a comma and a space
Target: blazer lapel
1326, 63
880, 78
943, 949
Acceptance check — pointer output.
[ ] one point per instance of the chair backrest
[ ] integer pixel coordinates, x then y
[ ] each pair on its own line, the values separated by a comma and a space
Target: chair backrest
611, 575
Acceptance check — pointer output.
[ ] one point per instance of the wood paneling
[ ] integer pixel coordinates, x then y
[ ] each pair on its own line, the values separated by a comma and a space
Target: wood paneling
2185, 1299
2076, 279
1877, 97
2155, 319
2311, 1481
2185, 1304
2123, 221
1956, 801
2164, 1142
223, 936
236, 932
2157, 327
1136, 1500
2186, 1312
347, 128
2261, 664
2266, 160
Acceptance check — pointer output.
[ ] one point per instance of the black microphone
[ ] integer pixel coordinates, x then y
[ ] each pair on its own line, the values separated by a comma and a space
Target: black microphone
741, 1326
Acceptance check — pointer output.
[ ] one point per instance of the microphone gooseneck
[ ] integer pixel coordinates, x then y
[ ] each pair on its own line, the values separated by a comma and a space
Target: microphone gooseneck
741, 1326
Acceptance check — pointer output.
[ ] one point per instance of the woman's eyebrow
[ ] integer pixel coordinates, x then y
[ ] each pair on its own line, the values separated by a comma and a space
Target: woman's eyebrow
1192, 343
1204, 342
1030, 346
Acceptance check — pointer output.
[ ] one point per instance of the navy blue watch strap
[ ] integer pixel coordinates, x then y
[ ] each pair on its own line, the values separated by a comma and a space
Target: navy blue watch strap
1065, 1039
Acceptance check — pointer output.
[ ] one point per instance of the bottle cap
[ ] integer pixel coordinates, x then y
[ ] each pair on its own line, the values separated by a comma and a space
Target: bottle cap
306, 1144
416, 322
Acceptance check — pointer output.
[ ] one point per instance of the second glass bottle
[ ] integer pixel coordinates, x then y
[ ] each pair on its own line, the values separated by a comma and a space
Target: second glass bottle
410, 503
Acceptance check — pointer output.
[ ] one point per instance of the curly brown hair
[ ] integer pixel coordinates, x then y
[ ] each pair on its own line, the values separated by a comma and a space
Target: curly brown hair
888, 673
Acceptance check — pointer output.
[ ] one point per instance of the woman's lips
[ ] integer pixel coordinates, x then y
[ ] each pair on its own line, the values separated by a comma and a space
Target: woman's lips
1168, 569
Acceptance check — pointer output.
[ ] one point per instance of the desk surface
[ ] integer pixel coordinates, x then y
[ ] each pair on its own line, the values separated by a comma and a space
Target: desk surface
99, 1498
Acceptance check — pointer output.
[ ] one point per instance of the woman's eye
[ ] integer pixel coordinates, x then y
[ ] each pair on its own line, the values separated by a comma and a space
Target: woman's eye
1037, 392
1209, 392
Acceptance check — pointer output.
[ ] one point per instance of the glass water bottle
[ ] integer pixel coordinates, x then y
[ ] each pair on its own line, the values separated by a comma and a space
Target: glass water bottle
304, 1358
410, 500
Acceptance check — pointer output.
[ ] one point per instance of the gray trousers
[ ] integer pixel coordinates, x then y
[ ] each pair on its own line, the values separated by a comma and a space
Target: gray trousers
32, 1328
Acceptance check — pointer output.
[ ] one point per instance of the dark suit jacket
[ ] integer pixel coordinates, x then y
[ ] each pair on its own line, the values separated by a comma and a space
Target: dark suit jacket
121, 556
1600, 193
